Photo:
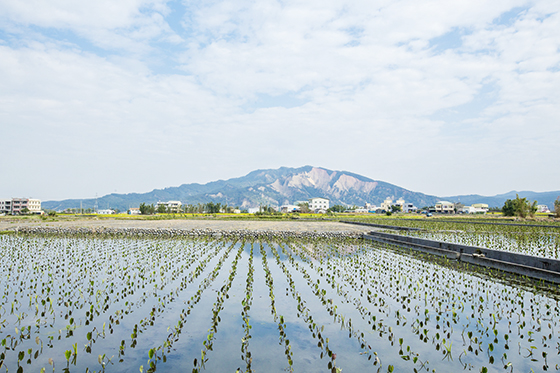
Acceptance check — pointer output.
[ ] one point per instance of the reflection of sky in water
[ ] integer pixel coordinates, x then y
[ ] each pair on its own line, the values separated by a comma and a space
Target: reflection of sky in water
372, 282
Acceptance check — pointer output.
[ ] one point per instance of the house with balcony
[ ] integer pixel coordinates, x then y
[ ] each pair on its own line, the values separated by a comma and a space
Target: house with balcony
16, 206
445, 207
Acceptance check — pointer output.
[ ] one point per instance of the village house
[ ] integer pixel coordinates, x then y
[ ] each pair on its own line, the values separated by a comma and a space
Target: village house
318, 204
445, 207
171, 206
386, 205
542, 208
134, 211
289, 208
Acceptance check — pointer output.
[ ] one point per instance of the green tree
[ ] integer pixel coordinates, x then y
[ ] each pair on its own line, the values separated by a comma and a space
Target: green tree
557, 207
520, 207
161, 209
395, 208
147, 209
509, 208
304, 207
337, 208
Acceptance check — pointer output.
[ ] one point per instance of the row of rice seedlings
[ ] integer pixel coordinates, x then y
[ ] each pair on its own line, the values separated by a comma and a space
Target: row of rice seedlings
283, 340
218, 306
246, 302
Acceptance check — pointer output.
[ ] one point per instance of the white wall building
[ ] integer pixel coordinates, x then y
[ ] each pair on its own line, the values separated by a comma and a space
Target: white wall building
542, 208
170, 206
105, 212
318, 203
476, 208
134, 211
408, 207
5, 206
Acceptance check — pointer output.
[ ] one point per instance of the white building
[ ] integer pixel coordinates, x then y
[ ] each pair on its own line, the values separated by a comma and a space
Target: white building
134, 211
445, 207
5, 206
386, 205
289, 208
370, 207
318, 204
408, 207
542, 208
476, 208
105, 212
171, 206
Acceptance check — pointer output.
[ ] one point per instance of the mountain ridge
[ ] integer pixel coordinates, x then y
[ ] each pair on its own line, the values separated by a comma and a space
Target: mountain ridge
280, 186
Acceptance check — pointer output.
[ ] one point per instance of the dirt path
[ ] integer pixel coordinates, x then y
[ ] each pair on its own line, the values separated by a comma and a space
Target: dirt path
189, 224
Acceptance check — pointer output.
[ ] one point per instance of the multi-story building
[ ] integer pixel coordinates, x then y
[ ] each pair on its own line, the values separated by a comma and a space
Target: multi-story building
18, 206
318, 204
445, 207
386, 205
5, 206
34, 206
408, 207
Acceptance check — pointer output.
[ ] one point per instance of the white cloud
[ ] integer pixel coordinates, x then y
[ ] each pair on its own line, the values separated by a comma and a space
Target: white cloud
395, 90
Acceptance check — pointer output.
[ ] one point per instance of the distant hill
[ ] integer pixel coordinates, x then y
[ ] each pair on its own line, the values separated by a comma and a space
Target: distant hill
543, 198
272, 187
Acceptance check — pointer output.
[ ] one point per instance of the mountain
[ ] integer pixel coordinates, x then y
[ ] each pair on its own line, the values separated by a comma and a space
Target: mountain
264, 187
287, 185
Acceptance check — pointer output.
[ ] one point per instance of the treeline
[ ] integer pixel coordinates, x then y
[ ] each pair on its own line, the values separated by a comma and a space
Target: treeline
208, 208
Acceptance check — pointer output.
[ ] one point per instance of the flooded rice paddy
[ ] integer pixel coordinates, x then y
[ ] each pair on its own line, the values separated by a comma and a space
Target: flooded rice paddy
151, 304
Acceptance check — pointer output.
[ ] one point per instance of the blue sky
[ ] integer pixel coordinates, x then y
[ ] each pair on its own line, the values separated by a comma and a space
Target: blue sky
440, 97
